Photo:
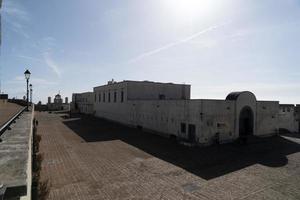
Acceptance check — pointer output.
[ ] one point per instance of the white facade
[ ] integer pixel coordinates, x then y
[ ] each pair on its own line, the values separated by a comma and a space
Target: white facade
288, 118
168, 110
267, 117
83, 102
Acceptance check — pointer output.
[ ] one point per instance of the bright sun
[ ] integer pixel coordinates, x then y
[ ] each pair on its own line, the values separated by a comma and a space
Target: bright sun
190, 9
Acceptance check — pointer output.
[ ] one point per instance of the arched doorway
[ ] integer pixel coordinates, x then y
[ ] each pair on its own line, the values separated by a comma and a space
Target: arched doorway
246, 122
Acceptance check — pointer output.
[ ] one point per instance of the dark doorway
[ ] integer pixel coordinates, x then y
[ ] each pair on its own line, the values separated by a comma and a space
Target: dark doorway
192, 133
246, 122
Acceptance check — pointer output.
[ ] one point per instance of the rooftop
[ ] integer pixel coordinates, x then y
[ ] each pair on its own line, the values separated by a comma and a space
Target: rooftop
132, 81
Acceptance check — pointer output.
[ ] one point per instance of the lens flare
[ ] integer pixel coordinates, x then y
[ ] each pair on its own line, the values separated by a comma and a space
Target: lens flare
191, 9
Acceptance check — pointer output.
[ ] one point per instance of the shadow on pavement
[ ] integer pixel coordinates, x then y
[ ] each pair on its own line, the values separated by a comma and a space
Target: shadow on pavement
205, 162
292, 135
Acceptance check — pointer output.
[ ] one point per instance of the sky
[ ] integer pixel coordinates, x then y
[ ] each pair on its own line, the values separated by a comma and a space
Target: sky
217, 46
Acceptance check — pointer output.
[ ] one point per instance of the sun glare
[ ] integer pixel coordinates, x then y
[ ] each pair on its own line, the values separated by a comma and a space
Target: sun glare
190, 9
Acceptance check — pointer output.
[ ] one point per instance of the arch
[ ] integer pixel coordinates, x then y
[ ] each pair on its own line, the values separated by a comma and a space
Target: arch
233, 96
246, 122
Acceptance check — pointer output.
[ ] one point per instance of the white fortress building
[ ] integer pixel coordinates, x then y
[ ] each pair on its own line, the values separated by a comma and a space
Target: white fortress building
167, 109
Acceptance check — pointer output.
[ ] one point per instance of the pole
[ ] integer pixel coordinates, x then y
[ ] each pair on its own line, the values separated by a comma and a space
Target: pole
27, 95
30, 96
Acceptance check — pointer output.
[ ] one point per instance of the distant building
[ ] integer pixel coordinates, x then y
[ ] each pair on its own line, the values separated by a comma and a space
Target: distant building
3, 98
58, 99
66, 100
57, 104
41, 107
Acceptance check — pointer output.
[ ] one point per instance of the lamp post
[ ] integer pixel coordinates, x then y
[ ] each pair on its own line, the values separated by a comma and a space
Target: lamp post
27, 76
30, 87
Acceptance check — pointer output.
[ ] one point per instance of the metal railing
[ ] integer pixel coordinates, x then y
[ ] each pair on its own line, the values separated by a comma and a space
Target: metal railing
12, 119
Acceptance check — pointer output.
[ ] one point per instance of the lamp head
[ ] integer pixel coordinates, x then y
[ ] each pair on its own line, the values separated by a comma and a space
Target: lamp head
27, 74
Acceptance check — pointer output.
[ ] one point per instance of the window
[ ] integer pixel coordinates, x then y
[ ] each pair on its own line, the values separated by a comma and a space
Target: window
108, 96
99, 97
288, 109
183, 127
122, 96
115, 96
103, 96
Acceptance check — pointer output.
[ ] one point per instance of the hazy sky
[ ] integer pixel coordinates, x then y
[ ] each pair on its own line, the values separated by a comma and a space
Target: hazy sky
217, 46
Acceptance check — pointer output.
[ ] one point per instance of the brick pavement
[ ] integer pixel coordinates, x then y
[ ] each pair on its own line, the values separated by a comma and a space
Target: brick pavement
89, 158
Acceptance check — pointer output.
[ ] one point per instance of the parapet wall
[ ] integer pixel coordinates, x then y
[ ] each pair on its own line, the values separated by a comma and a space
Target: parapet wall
15, 158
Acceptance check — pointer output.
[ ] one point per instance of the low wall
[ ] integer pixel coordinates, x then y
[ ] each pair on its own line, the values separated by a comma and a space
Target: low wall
15, 158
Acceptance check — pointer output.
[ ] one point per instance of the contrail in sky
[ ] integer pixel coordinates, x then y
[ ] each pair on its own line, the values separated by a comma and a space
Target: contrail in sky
170, 45
49, 61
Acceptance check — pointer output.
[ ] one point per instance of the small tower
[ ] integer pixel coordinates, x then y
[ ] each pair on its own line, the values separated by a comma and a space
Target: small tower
49, 100
66, 100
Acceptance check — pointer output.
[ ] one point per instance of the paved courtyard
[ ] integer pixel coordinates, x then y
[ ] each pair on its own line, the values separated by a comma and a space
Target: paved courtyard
89, 158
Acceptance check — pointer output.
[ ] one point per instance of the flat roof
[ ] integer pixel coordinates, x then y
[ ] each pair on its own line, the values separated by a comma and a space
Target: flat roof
267, 101
82, 93
287, 105
145, 81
